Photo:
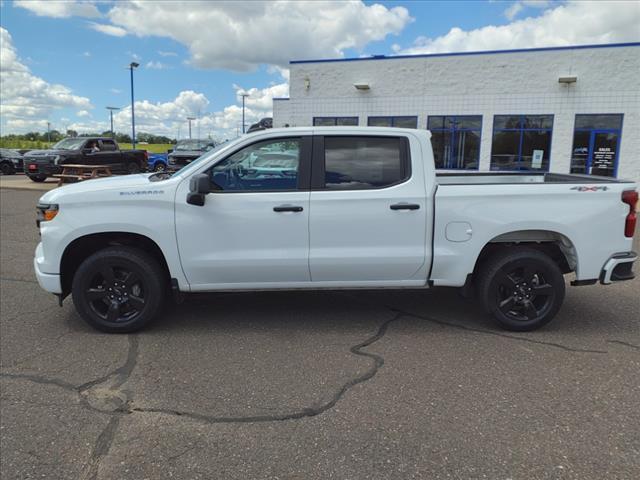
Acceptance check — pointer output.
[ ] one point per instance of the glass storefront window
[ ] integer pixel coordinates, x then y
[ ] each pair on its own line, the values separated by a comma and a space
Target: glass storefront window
455, 141
596, 142
521, 142
335, 121
400, 122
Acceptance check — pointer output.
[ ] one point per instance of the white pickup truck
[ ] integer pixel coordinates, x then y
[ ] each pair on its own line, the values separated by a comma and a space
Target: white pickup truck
336, 208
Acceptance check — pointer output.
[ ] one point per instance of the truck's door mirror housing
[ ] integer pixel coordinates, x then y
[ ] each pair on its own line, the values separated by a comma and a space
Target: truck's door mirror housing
199, 186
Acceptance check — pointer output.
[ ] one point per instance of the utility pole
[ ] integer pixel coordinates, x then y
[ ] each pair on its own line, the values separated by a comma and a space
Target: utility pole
243, 95
131, 67
190, 118
49, 132
111, 109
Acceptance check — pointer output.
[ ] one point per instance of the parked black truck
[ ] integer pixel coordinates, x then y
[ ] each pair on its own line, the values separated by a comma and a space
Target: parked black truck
40, 164
186, 151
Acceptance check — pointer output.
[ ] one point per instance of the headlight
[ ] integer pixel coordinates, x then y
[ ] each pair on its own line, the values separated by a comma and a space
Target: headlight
56, 159
46, 212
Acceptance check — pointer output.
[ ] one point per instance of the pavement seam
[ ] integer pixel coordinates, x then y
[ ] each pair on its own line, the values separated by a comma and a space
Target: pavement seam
497, 334
627, 344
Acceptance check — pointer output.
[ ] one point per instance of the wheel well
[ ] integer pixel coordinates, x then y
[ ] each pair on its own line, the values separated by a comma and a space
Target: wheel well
81, 248
555, 245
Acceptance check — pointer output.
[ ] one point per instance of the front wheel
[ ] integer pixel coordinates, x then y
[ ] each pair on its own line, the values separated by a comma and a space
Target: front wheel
7, 169
119, 289
160, 167
521, 288
37, 178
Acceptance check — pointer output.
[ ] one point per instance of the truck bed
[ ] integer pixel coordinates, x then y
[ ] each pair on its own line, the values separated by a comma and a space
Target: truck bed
495, 178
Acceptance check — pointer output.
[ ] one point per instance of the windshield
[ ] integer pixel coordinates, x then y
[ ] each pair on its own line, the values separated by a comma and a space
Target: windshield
184, 145
69, 144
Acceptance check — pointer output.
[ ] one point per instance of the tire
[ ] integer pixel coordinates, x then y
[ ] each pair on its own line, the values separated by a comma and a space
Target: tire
7, 169
159, 167
37, 178
106, 284
133, 167
522, 288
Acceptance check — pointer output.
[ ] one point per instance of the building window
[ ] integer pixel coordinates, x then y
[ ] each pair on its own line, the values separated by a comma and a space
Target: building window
400, 122
357, 163
335, 121
455, 141
596, 143
521, 142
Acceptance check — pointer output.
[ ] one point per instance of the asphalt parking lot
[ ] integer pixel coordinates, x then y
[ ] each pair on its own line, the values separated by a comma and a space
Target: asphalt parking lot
303, 385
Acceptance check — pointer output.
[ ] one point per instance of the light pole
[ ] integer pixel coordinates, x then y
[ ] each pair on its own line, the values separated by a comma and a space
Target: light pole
243, 95
48, 132
190, 118
111, 109
131, 67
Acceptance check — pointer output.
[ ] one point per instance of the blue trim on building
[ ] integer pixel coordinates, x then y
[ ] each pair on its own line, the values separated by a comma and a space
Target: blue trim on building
457, 54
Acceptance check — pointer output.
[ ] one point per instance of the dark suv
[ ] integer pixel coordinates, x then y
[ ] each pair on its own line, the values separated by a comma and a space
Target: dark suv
186, 151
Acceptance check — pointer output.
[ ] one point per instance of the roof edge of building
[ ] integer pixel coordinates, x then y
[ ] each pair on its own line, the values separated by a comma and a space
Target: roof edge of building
480, 52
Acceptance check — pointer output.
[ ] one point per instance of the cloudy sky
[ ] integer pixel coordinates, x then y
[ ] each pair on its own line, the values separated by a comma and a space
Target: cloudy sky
64, 61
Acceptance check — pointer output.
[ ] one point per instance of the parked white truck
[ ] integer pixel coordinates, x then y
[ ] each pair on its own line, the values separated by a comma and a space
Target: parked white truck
337, 208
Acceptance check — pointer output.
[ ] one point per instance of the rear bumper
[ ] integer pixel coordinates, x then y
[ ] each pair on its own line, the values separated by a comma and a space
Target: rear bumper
618, 268
36, 168
49, 282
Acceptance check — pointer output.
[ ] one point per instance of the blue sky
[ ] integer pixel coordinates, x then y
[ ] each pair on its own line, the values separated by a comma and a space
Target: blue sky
196, 60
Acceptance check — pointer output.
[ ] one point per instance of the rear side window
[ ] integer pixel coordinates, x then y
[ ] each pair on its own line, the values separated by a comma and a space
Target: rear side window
357, 163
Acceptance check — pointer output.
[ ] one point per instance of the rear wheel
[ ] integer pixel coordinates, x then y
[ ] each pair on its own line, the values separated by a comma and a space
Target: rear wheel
118, 289
160, 167
37, 178
7, 169
133, 167
521, 288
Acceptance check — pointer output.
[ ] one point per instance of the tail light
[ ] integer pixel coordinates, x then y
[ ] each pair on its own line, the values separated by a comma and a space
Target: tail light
146, 155
630, 197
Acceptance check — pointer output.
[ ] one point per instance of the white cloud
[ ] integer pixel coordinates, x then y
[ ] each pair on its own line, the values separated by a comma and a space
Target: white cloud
167, 54
573, 23
83, 113
59, 8
515, 8
86, 54
26, 98
108, 29
241, 35
155, 65
115, 90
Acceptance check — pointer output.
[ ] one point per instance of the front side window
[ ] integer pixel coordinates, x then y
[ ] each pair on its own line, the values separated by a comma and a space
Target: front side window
335, 121
455, 141
399, 122
267, 165
356, 163
596, 140
521, 142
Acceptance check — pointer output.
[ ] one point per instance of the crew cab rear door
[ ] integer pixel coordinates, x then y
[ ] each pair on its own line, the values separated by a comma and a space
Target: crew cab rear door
368, 211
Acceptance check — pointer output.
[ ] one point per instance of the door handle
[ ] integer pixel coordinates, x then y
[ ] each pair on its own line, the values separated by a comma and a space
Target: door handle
287, 208
405, 206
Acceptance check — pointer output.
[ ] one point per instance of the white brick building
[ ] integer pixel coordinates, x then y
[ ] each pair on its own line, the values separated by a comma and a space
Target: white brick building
505, 110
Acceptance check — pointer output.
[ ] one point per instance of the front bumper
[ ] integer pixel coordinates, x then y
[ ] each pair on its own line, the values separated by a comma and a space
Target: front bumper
49, 282
618, 268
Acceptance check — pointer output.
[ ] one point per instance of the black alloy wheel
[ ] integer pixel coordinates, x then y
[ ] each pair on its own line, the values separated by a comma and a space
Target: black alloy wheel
522, 288
119, 289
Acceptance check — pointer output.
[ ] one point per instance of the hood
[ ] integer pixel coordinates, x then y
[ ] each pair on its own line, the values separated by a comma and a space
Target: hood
43, 153
186, 153
124, 182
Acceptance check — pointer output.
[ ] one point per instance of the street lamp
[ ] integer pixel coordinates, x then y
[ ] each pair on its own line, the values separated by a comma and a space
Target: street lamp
243, 95
131, 67
111, 109
190, 118
49, 132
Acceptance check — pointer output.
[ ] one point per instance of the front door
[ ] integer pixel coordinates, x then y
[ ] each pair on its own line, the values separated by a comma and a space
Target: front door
369, 211
254, 231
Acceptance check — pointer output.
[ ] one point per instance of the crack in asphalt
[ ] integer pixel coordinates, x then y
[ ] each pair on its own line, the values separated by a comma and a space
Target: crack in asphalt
100, 449
637, 347
497, 334
378, 362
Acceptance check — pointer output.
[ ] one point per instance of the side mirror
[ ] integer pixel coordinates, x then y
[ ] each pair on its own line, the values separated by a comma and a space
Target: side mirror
199, 186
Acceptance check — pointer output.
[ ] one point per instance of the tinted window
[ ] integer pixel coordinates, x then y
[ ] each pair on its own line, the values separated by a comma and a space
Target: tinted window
455, 140
379, 121
363, 162
400, 122
605, 122
333, 121
521, 142
268, 165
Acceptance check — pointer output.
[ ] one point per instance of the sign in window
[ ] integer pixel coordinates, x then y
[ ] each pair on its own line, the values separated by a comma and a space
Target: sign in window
596, 141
